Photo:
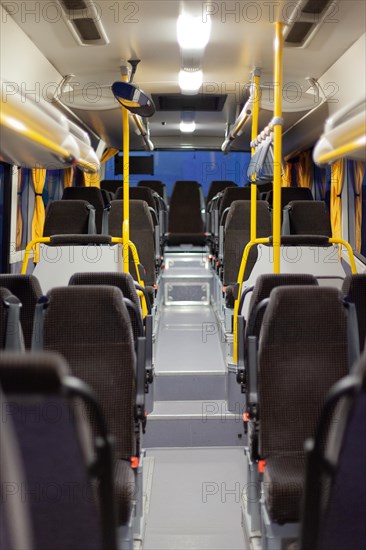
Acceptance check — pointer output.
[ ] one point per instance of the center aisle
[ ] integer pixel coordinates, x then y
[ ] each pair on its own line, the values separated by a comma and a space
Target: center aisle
194, 444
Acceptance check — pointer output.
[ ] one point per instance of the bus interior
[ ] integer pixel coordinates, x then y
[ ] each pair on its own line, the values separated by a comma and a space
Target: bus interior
183, 275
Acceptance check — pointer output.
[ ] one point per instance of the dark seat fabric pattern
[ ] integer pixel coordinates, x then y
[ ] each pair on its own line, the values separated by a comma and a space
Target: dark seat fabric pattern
354, 288
289, 194
28, 290
93, 196
218, 186
82, 322
123, 281
232, 194
63, 510
267, 282
154, 185
309, 218
283, 485
141, 234
237, 236
110, 185
91, 327
302, 353
185, 219
66, 218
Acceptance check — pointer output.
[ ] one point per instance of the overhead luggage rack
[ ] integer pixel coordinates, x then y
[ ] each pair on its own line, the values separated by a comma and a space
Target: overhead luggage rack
344, 135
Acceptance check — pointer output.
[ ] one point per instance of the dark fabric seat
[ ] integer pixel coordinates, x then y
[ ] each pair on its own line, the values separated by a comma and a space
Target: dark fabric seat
47, 424
154, 185
266, 283
232, 194
306, 218
15, 521
93, 196
124, 282
354, 288
216, 187
335, 493
303, 351
141, 234
91, 327
110, 185
237, 236
283, 486
28, 290
185, 218
68, 218
289, 194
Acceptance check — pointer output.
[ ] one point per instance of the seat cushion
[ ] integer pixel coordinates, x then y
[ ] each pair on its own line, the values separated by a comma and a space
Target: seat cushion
124, 486
283, 484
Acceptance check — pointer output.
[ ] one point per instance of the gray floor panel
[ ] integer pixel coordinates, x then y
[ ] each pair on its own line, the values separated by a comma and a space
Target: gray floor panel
187, 341
195, 500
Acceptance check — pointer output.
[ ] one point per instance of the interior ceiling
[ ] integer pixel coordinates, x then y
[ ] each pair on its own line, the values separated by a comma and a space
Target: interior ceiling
147, 30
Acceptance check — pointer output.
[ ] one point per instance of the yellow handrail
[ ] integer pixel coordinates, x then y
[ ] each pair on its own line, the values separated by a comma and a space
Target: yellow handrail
277, 155
243, 265
126, 185
349, 250
114, 240
351, 147
28, 248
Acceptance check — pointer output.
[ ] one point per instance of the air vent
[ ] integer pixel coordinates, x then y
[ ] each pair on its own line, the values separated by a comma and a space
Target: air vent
84, 21
180, 102
299, 32
306, 18
74, 4
87, 29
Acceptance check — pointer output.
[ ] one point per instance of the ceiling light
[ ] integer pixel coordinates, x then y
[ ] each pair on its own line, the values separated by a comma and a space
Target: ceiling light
190, 81
192, 32
187, 127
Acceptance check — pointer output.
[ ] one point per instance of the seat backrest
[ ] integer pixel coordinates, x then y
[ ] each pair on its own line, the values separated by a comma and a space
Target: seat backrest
15, 521
139, 193
266, 283
155, 185
216, 187
63, 510
354, 288
185, 208
232, 194
67, 218
289, 194
28, 290
302, 352
335, 497
110, 185
237, 236
90, 327
141, 234
309, 218
92, 195
123, 281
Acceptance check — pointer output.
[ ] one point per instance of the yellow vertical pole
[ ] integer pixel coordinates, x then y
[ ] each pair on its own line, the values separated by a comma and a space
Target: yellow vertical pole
126, 183
277, 148
253, 192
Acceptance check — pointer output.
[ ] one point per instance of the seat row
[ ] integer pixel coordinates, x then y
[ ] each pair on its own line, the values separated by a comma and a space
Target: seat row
297, 341
101, 335
301, 218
